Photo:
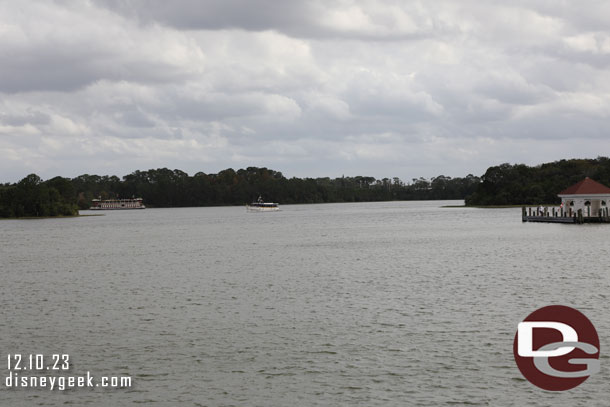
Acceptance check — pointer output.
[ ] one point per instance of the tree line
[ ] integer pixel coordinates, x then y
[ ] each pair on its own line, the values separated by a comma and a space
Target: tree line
504, 184
175, 188
33, 197
519, 184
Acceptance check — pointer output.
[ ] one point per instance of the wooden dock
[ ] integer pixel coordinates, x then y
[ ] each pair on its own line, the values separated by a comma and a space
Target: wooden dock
559, 215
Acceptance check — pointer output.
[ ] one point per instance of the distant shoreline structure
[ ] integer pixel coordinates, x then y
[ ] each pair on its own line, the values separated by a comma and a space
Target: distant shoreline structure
116, 204
584, 202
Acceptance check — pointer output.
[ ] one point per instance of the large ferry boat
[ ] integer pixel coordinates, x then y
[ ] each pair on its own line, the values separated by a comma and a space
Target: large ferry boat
133, 203
262, 206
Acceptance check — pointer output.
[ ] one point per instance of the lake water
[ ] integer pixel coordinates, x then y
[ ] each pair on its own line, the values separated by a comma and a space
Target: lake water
371, 304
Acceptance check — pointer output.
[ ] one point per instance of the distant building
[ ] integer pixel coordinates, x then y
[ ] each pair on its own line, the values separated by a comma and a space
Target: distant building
588, 195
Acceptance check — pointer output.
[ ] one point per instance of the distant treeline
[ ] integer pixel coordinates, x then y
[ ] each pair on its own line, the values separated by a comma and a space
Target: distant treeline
505, 184
174, 188
520, 184
33, 197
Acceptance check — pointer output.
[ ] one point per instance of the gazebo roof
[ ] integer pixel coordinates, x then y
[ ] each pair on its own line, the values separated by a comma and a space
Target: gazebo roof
586, 187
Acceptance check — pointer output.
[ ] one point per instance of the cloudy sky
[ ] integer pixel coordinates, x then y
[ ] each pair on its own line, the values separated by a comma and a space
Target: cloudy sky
309, 88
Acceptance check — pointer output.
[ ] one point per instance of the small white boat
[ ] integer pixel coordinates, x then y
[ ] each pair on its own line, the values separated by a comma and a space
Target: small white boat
262, 206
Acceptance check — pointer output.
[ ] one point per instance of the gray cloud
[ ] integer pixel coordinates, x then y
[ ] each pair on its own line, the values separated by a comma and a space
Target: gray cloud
311, 88
395, 20
218, 14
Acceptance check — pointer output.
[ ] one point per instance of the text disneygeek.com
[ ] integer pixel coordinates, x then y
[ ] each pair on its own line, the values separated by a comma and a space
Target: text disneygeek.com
23, 368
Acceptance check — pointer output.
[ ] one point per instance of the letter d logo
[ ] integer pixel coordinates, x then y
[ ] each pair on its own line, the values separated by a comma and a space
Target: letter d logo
556, 348
526, 339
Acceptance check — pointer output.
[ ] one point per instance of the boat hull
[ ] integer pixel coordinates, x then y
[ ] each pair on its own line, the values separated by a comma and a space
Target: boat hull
250, 208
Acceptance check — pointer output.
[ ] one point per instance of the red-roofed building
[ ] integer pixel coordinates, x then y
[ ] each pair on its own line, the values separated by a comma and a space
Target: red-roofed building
588, 195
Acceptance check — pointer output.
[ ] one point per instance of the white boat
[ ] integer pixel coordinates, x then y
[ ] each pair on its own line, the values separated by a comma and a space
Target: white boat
110, 204
262, 206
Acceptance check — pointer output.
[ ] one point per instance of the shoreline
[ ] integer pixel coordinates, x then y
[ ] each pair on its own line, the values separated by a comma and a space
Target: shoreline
52, 217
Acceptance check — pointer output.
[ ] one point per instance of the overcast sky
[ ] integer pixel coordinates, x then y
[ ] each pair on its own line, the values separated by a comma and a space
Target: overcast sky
309, 88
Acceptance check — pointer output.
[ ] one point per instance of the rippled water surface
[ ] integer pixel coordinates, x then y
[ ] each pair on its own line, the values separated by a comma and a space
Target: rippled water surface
373, 304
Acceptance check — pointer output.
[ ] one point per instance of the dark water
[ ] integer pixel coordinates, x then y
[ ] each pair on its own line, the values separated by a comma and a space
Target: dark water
376, 304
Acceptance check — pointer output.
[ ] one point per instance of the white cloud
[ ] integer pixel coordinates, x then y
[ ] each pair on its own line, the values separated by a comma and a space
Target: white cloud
383, 88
